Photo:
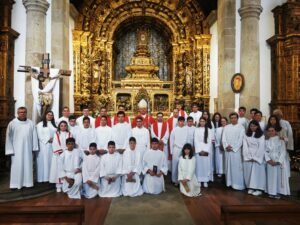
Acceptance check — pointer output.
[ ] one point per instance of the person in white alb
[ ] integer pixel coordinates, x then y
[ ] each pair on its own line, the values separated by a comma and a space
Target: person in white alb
142, 136
85, 113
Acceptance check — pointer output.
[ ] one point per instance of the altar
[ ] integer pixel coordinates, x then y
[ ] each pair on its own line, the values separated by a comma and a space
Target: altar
145, 54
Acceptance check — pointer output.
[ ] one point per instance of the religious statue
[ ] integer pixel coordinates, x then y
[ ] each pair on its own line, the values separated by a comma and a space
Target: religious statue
45, 92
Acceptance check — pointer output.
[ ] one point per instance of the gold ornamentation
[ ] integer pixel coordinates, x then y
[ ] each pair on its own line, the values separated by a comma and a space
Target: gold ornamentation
94, 63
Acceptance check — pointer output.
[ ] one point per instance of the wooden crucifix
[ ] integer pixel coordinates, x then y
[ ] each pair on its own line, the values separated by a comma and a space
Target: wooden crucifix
43, 82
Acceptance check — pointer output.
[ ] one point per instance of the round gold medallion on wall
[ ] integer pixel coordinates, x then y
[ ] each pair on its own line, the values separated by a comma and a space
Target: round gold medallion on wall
237, 83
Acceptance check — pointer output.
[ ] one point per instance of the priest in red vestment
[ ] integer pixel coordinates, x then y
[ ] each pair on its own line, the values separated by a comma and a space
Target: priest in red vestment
147, 119
103, 112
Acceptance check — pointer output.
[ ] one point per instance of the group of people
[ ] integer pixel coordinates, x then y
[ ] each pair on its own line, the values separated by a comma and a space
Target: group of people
113, 156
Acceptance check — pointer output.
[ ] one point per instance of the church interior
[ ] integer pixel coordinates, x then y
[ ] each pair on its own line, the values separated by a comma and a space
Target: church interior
219, 54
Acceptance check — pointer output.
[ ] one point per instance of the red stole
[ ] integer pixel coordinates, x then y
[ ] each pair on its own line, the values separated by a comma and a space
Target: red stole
163, 129
181, 113
58, 140
116, 119
98, 119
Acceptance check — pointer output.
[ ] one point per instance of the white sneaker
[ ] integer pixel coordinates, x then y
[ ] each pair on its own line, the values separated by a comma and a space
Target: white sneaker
257, 193
58, 189
205, 184
250, 191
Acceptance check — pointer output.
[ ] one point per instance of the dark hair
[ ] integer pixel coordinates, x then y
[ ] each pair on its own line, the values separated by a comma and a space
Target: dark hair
258, 112
103, 116
93, 144
181, 118
205, 129
120, 113
253, 109
242, 108
103, 107
190, 118
139, 118
258, 132
154, 139
86, 118
66, 107
189, 147
195, 104
214, 119
159, 113
277, 126
72, 117
70, 139
111, 143
208, 120
233, 114
45, 120
132, 139
58, 127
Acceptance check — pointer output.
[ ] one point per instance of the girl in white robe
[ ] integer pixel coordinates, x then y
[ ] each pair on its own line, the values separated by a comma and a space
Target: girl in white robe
154, 168
254, 164
203, 147
70, 170
189, 185
219, 150
110, 173
45, 132
58, 146
277, 171
131, 168
283, 135
91, 172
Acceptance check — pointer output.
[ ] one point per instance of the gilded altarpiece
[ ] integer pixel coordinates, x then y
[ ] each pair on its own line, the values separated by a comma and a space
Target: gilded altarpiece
285, 56
7, 45
178, 71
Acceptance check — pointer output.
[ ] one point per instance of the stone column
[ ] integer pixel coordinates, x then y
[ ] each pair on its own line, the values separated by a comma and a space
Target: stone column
60, 15
249, 12
35, 41
226, 52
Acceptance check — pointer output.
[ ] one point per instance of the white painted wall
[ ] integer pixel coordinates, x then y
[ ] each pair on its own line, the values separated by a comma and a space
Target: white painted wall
266, 30
71, 93
19, 25
213, 66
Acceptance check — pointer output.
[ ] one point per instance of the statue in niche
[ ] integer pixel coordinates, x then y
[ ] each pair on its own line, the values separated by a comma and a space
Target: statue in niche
98, 70
187, 65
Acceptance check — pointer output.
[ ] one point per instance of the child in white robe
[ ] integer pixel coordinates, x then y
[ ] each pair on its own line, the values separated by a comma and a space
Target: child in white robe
154, 167
84, 136
110, 172
131, 168
277, 171
178, 138
190, 130
103, 135
202, 138
91, 172
58, 146
72, 124
219, 150
121, 132
189, 185
70, 170
45, 131
142, 136
254, 164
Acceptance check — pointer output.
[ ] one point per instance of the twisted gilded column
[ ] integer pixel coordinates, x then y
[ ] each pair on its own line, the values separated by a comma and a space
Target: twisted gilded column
35, 40
250, 11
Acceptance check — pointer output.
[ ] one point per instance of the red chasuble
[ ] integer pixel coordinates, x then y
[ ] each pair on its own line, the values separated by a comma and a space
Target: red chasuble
98, 119
116, 119
162, 133
145, 121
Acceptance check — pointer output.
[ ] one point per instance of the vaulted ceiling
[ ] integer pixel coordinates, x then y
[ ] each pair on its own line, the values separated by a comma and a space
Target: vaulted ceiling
206, 5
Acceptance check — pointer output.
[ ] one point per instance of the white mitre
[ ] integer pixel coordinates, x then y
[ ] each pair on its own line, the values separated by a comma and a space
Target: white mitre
142, 104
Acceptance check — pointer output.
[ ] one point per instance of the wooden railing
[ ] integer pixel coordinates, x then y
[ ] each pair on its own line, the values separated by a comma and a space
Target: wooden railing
42, 214
290, 212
